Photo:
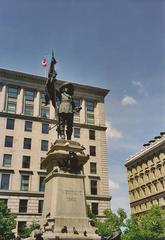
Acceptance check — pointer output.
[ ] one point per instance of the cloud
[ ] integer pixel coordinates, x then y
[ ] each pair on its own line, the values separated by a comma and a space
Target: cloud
113, 185
113, 132
127, 100
140, 88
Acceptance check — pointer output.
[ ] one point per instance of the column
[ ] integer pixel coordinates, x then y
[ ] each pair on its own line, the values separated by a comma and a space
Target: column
3, 99
37, 105
20, 102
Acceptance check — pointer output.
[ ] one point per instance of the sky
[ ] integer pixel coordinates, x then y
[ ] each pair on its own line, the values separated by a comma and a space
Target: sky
113, 44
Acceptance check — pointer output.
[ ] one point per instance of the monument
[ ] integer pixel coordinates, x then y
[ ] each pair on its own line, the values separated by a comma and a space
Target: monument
64, 211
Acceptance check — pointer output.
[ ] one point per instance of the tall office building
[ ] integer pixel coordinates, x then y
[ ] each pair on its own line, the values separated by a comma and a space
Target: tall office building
25, 139
146, 176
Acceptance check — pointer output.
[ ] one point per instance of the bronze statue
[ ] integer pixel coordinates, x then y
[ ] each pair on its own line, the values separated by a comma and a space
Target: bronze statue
66, 109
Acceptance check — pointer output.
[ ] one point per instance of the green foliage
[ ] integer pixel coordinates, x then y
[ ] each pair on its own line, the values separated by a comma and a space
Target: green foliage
149, 226
27, 230
111, 222
7, 222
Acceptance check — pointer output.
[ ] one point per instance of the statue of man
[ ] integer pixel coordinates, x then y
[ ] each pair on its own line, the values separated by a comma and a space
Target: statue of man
66, 109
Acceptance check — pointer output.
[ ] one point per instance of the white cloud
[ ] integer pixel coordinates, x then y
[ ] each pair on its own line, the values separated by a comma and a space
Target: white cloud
113, 132
113, 185
140, 87
128, 100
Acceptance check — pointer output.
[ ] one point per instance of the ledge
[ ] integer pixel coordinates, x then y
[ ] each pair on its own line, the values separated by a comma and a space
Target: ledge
26, 171
98, 197
21, 193
6, 170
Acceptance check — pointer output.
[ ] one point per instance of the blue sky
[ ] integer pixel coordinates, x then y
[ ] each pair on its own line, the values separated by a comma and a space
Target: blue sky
114, 44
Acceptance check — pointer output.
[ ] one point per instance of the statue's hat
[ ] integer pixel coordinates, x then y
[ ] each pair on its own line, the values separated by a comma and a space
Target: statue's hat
67, 85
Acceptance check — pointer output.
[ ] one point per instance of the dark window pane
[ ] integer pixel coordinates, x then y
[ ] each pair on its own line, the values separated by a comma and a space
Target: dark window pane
26, 162
8, 141
11, 107
93, 168
27, 143
76, 132
42, 184
44, 112
92, 134
5, 178
24, 183
10, 123
21, 225
40, 206
44, 145
92, 150
7, 160
95, 208
45, 128
90, 106
93, 187
28, 126
29, 95
43, 98
12, 92
23, 203
28, 110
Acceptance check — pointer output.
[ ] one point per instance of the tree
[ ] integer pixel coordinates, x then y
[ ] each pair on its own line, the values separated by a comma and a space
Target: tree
7, 222
149, 226
27, 230
112, 222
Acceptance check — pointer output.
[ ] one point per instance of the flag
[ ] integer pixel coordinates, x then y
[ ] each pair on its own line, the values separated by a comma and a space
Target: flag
44, 62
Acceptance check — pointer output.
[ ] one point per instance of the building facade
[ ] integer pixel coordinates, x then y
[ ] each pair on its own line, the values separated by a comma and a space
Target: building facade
25, 139
146, 176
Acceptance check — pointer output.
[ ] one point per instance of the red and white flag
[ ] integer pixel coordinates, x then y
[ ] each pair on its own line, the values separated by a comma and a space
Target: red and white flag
44, 62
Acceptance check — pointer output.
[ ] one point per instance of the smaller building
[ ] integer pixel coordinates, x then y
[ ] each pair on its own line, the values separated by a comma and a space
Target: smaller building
146, 176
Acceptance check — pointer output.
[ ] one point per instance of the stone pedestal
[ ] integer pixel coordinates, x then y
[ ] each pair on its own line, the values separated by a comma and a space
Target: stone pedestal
64, 211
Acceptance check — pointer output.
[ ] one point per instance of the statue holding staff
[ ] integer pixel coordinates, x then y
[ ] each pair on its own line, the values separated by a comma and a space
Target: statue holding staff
66, 109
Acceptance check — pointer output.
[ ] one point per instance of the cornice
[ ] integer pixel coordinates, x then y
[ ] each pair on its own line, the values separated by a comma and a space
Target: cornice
145, 151
42, 80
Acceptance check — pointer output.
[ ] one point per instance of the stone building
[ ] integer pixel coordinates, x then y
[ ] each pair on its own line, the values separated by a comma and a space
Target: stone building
25, 139
146, 176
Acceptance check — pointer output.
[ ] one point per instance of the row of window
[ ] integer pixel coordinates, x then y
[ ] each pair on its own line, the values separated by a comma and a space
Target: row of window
44, 112
45, 128
44, 144
5, 182
26, 143
7, 160
24, 186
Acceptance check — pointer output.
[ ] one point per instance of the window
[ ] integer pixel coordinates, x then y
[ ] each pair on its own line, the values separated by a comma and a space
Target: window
92, 150
42, 184
95, 209
12, 92
28, 126
90, 105
26, 162
44, 145
11, 107
40, 206
93, 168
44, 112
5, 178
27, 143
23, 203
28, 111
77, 114
8, 141
21, 225
45, 128
10, 123
41, 167
93, 187
29, 95
7, 160
76, 132
92, 134
24, 182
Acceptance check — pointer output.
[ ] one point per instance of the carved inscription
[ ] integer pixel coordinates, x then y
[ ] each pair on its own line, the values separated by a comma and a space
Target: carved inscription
73, 195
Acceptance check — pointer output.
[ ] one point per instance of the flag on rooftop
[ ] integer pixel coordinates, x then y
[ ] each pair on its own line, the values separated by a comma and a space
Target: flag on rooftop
44, 62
